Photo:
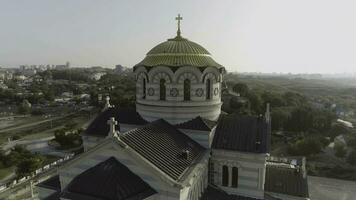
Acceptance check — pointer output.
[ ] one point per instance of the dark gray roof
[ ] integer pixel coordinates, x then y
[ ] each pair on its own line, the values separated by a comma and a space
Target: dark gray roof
163, 144
99, 126
51, 183
197, 123
242, 133
54, 196
215, 193
109, 180
283, 180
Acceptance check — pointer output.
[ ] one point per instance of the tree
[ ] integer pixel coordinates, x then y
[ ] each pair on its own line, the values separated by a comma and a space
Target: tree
300, 119
24, 108
279, 118
255, 102
340, 151
67, 140
274, 99
352, 157
241, 88
338, 129
305, 147
29, 165
352, 140
294, 99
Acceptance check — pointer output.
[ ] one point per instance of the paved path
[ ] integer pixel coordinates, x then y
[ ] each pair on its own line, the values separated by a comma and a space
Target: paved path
36, 145
321, 188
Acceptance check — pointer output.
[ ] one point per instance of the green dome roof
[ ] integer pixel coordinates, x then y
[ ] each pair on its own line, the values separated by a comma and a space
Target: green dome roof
178, 52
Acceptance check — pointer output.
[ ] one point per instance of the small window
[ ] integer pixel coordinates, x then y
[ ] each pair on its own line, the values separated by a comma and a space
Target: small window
235, 177
186, 90
225, 176
144, 88
162, 89
208, 89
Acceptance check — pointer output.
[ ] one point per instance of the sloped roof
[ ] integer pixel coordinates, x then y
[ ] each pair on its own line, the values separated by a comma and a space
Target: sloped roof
54, 196
99, 126
286, 180
242, 133
162, 144
197, 123
51, 183
108, 180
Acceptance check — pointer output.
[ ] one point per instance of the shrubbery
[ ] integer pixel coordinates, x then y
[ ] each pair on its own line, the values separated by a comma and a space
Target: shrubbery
352, 157
25, 161
67, 137
340, 151
305, 147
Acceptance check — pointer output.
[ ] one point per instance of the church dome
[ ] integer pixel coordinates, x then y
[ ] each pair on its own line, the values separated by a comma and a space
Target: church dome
178, 52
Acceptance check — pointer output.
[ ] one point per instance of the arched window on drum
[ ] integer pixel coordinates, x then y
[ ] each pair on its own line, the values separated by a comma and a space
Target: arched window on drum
208, 89
144, 88
186, 90
162, 89
225, 176
235, 177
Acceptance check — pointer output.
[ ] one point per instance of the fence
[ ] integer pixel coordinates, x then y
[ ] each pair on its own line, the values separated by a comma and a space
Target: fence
36, 172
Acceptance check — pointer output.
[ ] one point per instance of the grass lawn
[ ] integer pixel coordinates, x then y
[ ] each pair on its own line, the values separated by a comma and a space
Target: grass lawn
4, 172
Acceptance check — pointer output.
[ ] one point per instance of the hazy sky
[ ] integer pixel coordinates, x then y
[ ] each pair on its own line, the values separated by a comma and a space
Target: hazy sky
243, 35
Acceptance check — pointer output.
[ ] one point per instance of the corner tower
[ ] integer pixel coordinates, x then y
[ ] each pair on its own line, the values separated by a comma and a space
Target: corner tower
178, 80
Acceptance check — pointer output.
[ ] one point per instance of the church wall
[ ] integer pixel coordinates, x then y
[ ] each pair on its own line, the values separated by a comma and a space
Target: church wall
198, 180
165, 191
251, 172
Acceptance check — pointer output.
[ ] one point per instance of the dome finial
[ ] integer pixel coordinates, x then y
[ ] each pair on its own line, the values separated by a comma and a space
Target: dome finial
178, 18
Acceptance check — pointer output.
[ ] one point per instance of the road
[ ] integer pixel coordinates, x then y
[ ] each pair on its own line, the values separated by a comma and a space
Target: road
321, 188
27, 125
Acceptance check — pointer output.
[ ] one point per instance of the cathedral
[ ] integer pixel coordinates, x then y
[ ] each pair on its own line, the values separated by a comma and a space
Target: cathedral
177, 144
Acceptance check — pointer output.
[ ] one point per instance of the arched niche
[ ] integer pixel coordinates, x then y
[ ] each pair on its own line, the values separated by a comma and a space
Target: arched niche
183, 73
158, 73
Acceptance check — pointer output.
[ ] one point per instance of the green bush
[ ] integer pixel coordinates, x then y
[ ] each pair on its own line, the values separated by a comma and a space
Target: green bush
340, 151
37, 112
29, 165
305, 147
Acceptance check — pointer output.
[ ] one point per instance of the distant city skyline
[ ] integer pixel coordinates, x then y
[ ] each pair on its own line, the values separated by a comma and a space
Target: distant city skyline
243, 35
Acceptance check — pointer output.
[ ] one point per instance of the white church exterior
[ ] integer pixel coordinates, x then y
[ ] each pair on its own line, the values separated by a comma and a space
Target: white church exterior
177, 144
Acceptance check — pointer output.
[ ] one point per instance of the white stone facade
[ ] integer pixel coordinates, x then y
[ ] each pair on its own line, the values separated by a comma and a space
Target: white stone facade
251, 172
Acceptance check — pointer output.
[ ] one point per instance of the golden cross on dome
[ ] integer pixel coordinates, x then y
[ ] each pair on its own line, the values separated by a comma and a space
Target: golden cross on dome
179, 18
